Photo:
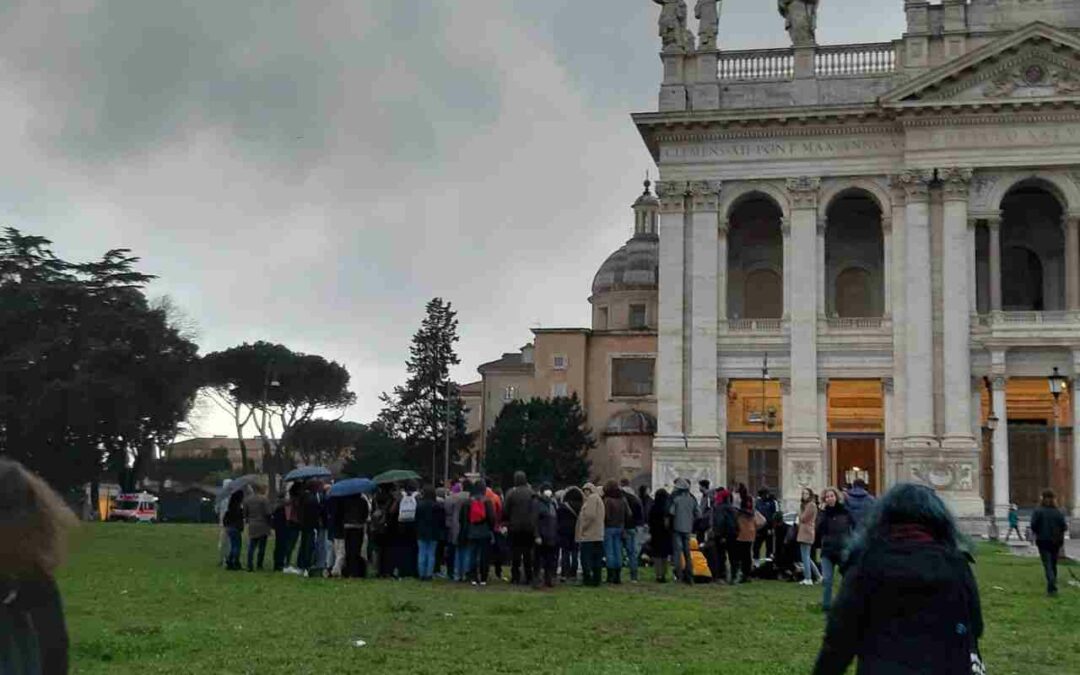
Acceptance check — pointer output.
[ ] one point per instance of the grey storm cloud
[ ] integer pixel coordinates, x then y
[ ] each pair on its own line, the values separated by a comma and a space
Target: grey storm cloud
312, 171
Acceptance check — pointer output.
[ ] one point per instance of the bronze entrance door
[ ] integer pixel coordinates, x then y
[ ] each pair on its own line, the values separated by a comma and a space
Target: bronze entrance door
764, 469
1029, 450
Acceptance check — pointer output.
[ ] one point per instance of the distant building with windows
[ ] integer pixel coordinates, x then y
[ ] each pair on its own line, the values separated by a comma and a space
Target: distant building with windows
610, 366
223, 446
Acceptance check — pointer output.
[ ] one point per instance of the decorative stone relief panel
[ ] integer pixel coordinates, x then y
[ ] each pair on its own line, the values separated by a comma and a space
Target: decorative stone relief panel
945, 476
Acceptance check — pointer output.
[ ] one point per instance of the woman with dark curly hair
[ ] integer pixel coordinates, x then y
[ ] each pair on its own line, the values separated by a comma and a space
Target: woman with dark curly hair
33, 637
909, 602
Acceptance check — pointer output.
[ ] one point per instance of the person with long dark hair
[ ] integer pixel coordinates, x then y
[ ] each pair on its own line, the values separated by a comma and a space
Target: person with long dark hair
834, 529
233, 522
1049, 527
660, 541
34, 522
808, 513
909, 602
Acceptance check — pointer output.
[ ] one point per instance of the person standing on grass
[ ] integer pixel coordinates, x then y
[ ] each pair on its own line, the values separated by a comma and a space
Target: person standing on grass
233, 522
808, 513
1014, 523
459, 551
281, 533
499, 546
725, 532
427, 533
747, 521
310, 514
684, 513
616, 519
546, 530
632, 537
257, 515
767, 507
354, 512
858, 500
34, 522
909, 603
704, 517
518, 517
569, 507
834, 529
1049, 527
404, 513
660, 539
294, 508
478, 523
590, 535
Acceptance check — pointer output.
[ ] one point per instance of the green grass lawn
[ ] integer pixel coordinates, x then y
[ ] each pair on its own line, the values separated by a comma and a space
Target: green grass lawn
149, 599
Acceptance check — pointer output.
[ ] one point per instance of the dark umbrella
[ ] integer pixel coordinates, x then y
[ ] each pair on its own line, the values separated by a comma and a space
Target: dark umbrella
352, 486
396, 476
306, 472
235, 485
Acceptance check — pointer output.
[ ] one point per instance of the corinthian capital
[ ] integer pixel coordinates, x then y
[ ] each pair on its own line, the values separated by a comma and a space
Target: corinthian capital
672, 194
803, 192
705, 195
915, 184
955, 183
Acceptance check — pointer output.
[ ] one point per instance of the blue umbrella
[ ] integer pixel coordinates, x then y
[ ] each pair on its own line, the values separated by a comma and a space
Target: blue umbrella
306, 472
352, 486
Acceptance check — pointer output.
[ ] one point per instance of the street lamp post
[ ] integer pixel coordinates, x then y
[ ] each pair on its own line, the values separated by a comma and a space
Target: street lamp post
992, 425
764, 379
1058, 384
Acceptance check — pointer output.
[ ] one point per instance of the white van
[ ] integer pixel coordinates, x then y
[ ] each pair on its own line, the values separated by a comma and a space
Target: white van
138, 507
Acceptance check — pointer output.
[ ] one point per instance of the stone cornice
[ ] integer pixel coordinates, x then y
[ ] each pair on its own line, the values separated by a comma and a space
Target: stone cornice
728, 133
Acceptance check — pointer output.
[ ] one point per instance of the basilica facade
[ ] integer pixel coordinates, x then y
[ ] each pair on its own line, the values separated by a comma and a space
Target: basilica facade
870, 256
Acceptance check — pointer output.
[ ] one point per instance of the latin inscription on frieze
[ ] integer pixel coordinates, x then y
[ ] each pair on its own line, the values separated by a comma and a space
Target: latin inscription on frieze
779, 149
994, 137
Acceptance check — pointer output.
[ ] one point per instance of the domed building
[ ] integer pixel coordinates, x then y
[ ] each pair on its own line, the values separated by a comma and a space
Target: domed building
611, 366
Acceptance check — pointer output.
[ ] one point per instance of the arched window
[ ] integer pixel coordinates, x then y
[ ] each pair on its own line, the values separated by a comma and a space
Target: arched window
1024, 271
764, 295
1032, 250
853, 293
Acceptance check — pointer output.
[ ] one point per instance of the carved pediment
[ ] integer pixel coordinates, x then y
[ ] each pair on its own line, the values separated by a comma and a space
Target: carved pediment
1036, 62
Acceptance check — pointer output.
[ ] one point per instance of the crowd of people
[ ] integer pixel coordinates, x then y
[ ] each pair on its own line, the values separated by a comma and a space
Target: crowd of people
474, 532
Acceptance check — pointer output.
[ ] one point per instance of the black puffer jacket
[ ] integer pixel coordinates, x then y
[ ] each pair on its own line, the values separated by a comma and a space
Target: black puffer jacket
834, 528
567, 513
905, 608
33, 637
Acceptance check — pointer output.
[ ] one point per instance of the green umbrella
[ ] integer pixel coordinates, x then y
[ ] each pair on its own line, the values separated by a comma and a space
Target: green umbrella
396, 476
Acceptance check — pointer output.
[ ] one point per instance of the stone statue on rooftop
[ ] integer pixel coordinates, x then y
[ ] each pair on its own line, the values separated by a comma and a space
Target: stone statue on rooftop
800, 17
674, 35
708, 15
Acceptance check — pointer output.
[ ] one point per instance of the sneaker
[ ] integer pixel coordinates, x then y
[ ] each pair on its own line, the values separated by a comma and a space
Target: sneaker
483, 583
474, 583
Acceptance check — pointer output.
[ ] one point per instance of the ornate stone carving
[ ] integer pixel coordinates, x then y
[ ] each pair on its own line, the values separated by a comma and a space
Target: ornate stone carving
668, 470
672, 195
955, 183
999, 382
674, 35
804, 472
705, 195
708, 15
945, 476
804, 191
800, 20
915, 184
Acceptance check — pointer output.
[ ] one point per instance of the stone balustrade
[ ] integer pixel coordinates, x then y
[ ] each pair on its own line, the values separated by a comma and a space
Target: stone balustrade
855, 60
860, 323
753, 325
1028, 318
756, 64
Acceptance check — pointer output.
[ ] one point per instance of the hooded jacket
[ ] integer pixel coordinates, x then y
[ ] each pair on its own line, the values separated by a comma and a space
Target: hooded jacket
684, 509
905, 607
545, 520
517, 509
617, 512
590, 524
454, 505
568, 517
858, 503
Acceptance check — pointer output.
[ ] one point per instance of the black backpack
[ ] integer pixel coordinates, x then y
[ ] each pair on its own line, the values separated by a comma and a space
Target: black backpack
20, 651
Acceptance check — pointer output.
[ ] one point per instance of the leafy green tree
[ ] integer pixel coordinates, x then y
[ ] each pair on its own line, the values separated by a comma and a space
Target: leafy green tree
323, 442
548, 439
416, 413
375, 450
276, 389
92, 377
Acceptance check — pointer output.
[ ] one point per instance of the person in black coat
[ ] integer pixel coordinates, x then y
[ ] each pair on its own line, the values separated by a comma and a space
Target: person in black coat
354, 517
567, 515
1049, 527
660, 539
909, 602
429, 523
34, 522
834, 529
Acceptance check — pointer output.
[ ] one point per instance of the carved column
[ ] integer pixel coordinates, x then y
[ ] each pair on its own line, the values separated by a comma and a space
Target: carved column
722, 270
785, 232
1000, 454
702, 265
973, 276
723, 385
1075, 396
803, 442
898, 291
957, 310
886, 238
673, 245
993, 224
1072, 263
919, 337
889, 426
823, 270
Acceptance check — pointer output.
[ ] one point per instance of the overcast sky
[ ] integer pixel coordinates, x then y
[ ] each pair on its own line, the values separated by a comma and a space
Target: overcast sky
311, 172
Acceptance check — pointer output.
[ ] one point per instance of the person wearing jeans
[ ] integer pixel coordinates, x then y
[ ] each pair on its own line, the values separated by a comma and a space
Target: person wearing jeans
233, 522
617, 517
684, 511
834, 529
807, 533
589, 533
